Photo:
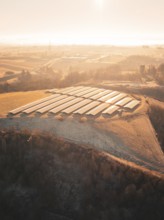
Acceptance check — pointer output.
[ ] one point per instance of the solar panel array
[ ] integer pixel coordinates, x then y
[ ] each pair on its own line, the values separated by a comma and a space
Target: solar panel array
80, 101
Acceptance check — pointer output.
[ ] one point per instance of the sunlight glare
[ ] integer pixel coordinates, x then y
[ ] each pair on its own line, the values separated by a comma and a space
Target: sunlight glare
99, 4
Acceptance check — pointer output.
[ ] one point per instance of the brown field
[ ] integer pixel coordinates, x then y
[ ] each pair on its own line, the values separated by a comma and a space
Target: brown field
14, 100
89, 57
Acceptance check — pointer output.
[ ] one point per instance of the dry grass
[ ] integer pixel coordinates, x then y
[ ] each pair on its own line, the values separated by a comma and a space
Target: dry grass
156, 114
137, 134
9, 101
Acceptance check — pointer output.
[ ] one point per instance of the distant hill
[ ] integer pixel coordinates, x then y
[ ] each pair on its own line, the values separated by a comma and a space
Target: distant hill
133, 62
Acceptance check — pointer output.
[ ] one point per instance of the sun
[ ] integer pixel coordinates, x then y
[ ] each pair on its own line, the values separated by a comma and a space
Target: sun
99, 4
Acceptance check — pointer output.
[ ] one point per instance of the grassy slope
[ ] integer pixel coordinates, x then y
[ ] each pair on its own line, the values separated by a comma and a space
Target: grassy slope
9, 101
156, 114
139, 137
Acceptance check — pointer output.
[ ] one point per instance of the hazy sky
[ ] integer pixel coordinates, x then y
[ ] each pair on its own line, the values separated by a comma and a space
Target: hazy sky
82, 21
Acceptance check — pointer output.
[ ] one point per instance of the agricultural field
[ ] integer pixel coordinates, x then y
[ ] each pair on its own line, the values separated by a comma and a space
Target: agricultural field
12, 100
77, 57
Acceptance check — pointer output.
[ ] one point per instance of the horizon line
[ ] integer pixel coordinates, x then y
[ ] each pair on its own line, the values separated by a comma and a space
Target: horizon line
81, 44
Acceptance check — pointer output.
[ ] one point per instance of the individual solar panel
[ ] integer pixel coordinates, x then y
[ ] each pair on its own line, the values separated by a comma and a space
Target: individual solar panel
101, 94
36, 107
85, 91
106, 97
111, 110
123, 102
116, 98
76, 106
87, 108
133, 104
64, 106
18, 110
88, 95
98, 109
49, 107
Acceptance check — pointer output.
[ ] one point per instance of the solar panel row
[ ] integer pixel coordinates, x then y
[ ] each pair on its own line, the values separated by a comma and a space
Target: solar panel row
133, 104
66, 89
55, 104
64, 106
76, 106
98, 109
101, 94
20, 109
123, 101
94, 92
108, 96
111, 110
47, 103
84, 91
116, 98
74, 90
87, 108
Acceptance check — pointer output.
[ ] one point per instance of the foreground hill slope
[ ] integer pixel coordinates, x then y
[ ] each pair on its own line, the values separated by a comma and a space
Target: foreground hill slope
139, 142
45, 178
132, 139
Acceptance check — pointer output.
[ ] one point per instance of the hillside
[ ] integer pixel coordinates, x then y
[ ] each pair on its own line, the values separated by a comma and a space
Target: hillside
51, 179
70, 167
129, 135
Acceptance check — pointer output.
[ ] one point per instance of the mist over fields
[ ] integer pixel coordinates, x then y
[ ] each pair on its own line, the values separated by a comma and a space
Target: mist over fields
63, 167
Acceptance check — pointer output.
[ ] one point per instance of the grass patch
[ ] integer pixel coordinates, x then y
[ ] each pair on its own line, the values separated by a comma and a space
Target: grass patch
156, 114
10, 101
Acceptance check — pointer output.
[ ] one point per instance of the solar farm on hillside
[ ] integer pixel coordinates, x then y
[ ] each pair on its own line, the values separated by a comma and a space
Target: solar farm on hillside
79, 101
